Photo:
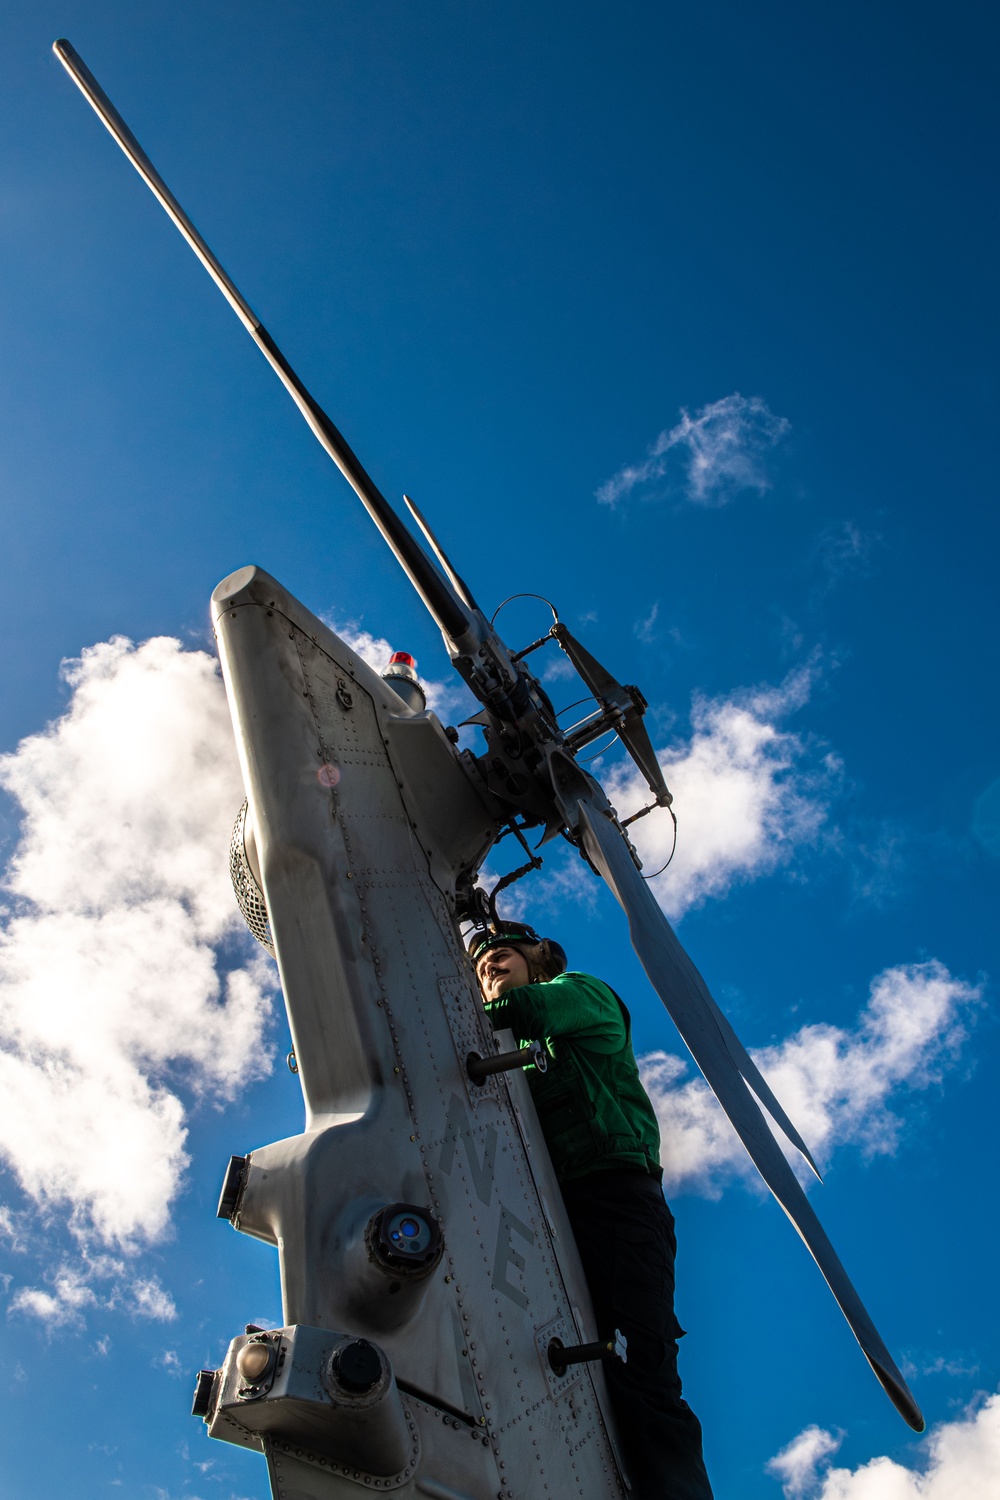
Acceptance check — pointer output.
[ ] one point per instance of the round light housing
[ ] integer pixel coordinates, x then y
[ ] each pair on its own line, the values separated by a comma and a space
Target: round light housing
404, 1238
253, 1361
410, 1234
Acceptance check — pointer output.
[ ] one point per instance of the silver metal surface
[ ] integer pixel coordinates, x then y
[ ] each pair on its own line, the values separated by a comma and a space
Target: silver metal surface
365, 816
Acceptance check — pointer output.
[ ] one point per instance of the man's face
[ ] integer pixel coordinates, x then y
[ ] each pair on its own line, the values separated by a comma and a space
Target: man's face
501, 969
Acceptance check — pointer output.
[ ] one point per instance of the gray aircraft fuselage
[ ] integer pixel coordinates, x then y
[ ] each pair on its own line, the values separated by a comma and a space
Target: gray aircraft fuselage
364, 815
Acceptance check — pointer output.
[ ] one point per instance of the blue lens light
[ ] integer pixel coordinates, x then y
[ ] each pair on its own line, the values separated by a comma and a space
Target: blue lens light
409, 1234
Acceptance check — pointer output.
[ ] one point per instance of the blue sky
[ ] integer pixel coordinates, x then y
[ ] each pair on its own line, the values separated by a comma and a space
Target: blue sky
683, 316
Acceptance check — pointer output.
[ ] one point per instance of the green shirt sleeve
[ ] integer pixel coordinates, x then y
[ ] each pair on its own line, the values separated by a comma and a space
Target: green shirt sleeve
573, 1005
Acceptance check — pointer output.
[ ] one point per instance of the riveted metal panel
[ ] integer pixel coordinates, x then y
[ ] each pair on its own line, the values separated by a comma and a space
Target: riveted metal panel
365, 816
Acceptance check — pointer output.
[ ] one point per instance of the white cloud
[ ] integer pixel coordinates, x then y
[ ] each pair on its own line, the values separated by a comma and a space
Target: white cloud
845, 551
644, 628
747, 794
12, 1228
42, 1305
65, 1304
558, 669
939, 1364
879, 863
961, 1462
149, 1300
835, 1084
797, 1464
112, 996
743, 795
98, 1281
721, 451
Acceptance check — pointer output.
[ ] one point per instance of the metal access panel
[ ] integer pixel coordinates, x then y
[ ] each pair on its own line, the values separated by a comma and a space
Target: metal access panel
363, 817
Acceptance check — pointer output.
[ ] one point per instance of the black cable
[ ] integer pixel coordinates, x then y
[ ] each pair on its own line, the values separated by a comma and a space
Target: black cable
511, 597
673, 849
589, 699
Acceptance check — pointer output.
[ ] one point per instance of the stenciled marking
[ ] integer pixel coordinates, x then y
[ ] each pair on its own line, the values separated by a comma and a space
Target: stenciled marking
459, 1127
507, 1255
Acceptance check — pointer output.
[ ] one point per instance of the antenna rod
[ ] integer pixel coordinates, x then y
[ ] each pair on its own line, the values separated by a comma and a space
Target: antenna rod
437, 596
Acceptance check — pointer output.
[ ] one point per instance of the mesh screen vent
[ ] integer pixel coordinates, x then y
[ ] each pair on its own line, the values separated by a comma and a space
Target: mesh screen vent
248, 892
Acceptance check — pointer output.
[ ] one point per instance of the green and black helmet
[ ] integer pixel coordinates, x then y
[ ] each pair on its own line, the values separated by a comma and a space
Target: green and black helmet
512, 935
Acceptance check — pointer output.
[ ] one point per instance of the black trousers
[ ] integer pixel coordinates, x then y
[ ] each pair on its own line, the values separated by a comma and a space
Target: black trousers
625, 1233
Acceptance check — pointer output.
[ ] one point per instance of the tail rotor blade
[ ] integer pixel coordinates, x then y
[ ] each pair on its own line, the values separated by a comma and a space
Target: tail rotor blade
711, 1040
753, 1076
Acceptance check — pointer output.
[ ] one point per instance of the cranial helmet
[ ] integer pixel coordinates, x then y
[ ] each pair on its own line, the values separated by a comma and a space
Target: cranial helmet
512, 935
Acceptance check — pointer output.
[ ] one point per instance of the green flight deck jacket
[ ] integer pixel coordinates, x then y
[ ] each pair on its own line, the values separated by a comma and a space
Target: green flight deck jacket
594, 1112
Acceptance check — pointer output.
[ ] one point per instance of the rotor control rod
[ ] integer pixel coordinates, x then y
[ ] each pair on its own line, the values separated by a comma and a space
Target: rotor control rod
533, 1055
561, 1355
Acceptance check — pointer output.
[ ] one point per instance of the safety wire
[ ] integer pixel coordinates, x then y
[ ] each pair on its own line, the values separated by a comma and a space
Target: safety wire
583, 760
511, 597
575, 704
673, 850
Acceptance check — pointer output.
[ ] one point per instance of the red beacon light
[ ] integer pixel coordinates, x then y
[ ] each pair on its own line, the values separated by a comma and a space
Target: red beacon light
401, 675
